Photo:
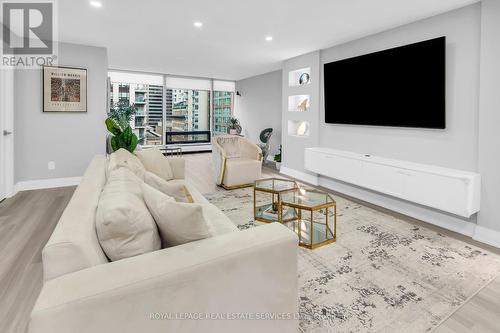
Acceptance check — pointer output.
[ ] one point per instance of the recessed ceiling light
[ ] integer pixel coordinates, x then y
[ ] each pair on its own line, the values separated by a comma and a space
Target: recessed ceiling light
198, 24
269, 38
96, 4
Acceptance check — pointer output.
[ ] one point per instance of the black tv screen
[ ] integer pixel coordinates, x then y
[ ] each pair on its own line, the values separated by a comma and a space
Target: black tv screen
403, 86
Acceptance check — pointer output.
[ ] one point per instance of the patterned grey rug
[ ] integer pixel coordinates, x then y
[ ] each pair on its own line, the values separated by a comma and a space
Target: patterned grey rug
382, 275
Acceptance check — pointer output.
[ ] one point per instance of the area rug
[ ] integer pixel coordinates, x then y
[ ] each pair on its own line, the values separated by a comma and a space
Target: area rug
382, 275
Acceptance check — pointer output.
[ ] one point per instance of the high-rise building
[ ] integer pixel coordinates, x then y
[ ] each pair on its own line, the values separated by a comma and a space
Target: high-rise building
222, 111
148, 100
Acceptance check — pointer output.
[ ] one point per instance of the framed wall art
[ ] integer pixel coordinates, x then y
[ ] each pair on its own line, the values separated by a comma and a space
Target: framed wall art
64, 89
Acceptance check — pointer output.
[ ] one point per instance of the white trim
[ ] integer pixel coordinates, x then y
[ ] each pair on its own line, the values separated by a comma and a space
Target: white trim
300, 175
426, 214
7, 122
487, 236
196, 147
46, 183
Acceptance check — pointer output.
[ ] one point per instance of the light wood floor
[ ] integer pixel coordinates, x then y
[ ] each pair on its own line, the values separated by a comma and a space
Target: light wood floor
28, 218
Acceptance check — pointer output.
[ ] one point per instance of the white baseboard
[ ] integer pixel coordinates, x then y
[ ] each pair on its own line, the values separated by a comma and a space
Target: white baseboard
300, 175
46, 183
487, 236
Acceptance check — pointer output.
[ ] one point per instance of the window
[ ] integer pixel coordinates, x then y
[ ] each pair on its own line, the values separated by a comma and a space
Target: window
223, 110
145, 92
188, 116
174, 110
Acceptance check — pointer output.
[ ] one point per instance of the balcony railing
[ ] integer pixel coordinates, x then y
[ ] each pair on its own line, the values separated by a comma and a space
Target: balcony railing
187, 137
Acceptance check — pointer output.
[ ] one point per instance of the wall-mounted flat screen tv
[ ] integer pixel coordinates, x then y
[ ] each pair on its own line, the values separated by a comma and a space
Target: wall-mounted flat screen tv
403, 87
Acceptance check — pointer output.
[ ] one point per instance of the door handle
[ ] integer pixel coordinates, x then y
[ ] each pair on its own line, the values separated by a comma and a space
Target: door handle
5, 133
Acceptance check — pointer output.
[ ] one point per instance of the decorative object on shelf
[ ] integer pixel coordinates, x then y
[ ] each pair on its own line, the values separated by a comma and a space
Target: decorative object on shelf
277, 159
303, 128
234, 127
265, 138
313, 226
303, 104
304, 78
270, 210
64, 89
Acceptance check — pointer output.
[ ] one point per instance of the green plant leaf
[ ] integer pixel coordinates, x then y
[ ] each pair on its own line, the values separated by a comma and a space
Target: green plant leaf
113, 126
133, 143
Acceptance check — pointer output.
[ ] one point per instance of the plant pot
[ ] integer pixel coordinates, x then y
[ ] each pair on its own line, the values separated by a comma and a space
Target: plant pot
278, 165
233, 131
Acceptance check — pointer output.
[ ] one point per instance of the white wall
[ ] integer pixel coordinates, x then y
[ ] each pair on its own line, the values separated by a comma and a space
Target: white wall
259, 106
489, 121
454, 147
69, 139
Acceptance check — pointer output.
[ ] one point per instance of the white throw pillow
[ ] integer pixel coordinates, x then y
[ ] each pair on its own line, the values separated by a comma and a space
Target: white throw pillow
154, 161
124, 225
231, 146
123, 158
178, 222
176, 190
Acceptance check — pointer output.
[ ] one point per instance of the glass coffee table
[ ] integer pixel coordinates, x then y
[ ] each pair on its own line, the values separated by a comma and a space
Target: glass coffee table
312, 223
268, 210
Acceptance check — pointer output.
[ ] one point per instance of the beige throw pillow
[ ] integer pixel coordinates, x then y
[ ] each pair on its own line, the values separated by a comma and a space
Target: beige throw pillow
176, 190
178, 223
123, 158
154, 161
124, 225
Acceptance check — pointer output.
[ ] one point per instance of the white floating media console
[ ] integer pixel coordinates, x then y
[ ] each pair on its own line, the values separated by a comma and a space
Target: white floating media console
449, 190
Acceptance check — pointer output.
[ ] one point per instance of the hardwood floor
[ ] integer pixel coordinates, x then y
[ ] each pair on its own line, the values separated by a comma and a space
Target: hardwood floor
28, 218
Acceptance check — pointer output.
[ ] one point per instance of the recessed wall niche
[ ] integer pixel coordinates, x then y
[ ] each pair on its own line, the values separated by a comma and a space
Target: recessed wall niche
298, 103
299, 77
298, 128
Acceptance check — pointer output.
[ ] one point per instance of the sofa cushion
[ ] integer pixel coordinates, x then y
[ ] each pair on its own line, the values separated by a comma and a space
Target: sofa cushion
154, 161
241, 171
178, 222
218, 222
123, 158
172, 188
73, 245
124, 225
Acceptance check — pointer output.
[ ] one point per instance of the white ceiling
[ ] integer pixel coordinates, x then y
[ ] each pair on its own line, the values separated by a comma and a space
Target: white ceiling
158, 35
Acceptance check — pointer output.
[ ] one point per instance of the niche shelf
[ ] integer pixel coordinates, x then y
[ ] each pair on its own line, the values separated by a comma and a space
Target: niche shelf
299, 77
298, 103
298, 128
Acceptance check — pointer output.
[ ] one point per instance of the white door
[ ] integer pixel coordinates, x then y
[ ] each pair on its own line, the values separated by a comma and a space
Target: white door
6, 129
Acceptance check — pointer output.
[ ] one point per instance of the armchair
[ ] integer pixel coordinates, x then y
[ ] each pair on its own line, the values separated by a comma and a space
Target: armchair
237, 161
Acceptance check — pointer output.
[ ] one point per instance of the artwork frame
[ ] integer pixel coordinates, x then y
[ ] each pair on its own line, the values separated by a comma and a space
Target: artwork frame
64, 89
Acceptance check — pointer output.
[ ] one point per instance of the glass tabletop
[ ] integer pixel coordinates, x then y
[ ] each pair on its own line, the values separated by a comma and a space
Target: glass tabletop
307, 198
275, 184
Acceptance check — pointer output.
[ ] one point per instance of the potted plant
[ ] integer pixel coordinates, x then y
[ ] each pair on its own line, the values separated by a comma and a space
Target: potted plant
277, 159
118, 124
234, 126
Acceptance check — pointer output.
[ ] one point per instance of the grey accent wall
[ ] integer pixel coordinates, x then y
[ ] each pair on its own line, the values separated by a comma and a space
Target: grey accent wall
293, 146
454, 147
489, 116
259, 106
68, 139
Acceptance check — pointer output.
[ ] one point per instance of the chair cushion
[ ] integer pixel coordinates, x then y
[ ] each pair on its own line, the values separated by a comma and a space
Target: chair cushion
123, 158
124, 226
172, 188
154, 161
231, 146
178, 222
242, 171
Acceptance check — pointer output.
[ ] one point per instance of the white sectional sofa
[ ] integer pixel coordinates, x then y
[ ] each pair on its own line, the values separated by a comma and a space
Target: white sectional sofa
230, 280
